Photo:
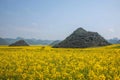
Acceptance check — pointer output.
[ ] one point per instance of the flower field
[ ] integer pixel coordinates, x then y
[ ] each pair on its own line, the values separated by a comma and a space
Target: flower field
46, 63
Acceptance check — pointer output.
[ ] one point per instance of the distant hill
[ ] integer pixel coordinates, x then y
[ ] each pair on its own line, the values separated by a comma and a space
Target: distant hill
3, 42
37, 42
30, 41
19, 43
55, 42
113, 41
81, 38
118, 41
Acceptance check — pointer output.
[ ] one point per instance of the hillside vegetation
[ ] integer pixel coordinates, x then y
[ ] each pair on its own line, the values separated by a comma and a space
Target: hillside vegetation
46, 63
81, 38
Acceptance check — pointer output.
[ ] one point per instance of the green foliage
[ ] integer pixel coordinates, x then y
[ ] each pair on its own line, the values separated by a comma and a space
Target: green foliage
81, 38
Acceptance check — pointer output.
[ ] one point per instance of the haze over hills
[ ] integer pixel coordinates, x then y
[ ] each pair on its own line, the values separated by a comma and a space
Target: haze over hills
7, 41
118, 41
30, 41
81, 38
3, 42
33, 41
114, 40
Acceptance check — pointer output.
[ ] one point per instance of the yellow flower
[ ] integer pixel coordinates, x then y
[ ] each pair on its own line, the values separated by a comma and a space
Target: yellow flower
102, 77
19, 70
46, 63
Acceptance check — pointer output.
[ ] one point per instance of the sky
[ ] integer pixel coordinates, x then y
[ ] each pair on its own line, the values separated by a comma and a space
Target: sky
57, 19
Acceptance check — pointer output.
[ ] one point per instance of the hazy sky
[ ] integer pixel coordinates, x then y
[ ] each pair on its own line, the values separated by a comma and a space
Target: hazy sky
56, 19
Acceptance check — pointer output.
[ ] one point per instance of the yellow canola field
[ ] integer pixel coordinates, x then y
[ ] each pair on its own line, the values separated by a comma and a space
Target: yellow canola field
46, 63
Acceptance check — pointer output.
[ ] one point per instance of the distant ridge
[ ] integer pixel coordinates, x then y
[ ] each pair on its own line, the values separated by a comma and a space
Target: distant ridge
81, 38
3, 42
19, 43
31, 41
114, 41
118, 41
55, 42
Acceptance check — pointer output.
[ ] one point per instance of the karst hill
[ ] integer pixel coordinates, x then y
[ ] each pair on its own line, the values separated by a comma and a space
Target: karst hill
19, 43
81, 38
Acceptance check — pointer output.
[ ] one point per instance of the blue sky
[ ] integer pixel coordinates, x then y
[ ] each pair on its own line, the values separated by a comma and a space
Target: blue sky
56, 19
